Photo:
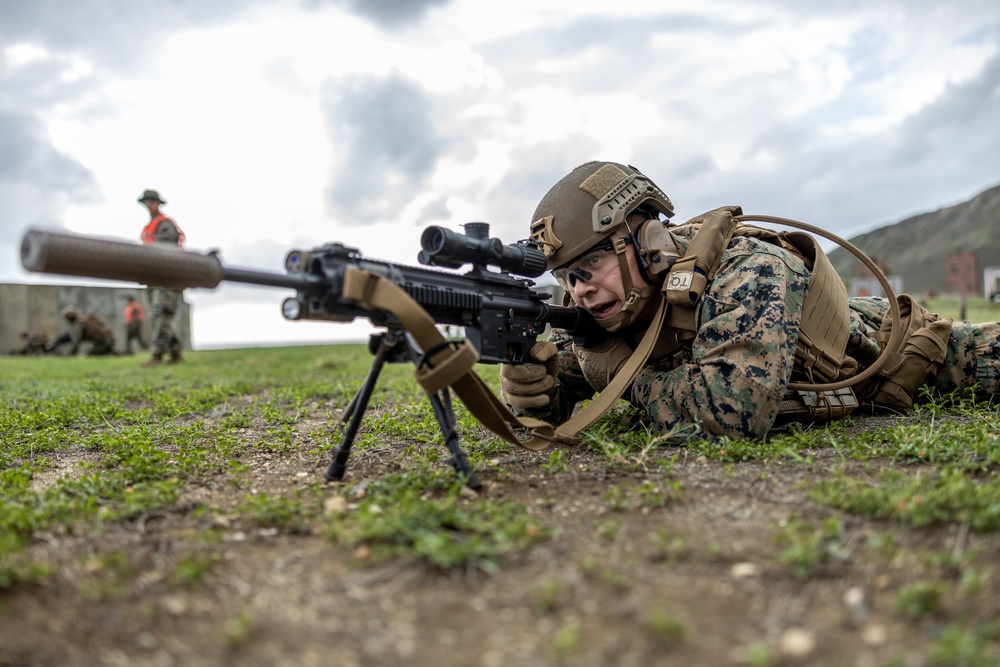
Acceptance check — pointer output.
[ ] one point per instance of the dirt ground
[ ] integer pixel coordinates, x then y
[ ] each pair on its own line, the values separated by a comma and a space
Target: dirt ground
697, 582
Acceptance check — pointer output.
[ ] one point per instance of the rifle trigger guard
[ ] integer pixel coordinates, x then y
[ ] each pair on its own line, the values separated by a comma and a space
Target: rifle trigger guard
448, 367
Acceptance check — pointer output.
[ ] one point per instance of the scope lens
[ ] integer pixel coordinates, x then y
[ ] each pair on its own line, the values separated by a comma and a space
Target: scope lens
433, 239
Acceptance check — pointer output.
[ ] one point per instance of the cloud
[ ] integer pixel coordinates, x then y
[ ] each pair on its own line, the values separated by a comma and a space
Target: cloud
117, 35
385, 142
364, 120
36, 181
942, 154
389, 14
58, 56
837, 121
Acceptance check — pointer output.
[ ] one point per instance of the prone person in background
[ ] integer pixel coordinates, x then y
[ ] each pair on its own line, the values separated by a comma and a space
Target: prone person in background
86, 328
35, 342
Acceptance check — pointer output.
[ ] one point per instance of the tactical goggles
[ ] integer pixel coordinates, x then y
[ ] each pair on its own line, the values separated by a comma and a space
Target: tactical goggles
595, 264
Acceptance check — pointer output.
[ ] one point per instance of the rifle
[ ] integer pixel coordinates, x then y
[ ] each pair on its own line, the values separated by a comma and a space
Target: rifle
62, 339
501, 314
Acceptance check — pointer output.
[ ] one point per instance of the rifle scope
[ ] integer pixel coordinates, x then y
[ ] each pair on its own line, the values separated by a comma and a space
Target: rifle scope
443, 247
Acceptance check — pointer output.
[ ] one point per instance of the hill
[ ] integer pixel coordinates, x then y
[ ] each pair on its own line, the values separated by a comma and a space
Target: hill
916, 248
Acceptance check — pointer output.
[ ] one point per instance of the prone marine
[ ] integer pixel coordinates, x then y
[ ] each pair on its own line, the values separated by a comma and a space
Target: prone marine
86, 328
741, 320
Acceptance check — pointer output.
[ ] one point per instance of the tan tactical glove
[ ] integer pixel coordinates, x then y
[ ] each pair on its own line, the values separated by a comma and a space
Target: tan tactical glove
531, 386
601, 363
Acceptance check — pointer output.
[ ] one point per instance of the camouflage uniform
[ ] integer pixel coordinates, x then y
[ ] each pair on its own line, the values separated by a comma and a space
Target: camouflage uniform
164, 302
93, 329
730, 378
35, 342
973, 354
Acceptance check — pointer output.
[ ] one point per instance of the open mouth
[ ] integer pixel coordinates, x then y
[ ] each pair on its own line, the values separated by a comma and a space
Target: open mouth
604, 309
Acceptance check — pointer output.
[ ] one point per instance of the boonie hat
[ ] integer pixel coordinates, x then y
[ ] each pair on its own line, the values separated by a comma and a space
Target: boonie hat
150, 194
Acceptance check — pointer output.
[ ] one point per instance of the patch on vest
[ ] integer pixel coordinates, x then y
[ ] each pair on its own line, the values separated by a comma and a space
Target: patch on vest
680, 281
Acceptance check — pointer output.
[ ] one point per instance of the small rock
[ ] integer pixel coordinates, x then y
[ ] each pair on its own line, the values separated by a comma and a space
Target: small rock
857, 606
363, 552
874, 634
335, 505
744, 570
174, 605
492, 658
797, 642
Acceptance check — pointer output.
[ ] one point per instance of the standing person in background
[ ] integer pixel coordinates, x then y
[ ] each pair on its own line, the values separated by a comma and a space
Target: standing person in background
134, 317
164, 302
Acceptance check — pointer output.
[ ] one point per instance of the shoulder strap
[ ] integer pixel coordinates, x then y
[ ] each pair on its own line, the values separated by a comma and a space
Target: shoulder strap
828, 279
688, 277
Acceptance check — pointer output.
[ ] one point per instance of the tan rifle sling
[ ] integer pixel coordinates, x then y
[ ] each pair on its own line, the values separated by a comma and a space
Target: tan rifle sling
444, 365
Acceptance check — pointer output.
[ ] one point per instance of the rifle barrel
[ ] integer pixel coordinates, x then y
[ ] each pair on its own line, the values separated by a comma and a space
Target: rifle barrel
159, 266
268, 279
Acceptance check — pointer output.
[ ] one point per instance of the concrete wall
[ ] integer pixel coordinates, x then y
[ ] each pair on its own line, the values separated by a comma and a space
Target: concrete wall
38, 307
991, 281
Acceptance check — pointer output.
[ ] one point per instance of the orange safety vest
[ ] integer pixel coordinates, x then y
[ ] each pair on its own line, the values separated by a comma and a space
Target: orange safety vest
149, 231
133, 313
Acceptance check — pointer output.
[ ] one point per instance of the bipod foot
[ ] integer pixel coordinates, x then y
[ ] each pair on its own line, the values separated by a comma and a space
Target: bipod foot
338, 465
385, 348
441, 402
464, 471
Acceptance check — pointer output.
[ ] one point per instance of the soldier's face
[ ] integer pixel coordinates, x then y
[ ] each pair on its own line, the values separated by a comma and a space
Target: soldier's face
597, 286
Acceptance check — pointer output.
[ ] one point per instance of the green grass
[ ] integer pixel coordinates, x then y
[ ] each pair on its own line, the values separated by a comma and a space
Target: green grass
429, 517
145, 435
977, 309
141, 440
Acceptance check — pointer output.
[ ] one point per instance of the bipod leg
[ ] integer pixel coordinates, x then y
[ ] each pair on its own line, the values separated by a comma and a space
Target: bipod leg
356, 410
441, 402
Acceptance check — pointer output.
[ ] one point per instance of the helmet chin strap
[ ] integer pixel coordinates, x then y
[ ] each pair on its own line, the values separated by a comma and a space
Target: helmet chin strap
633, 296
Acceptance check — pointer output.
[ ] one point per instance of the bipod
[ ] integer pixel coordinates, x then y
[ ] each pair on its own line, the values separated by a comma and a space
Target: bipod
395, 346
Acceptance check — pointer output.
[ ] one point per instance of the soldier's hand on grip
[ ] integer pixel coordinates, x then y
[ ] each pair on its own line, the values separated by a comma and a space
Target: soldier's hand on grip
531, 385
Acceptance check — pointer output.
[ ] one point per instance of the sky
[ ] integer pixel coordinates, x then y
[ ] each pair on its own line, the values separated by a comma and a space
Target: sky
281, 124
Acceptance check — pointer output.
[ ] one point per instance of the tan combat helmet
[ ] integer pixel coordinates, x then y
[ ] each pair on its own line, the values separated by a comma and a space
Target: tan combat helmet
588, 205
585, 208
70, 313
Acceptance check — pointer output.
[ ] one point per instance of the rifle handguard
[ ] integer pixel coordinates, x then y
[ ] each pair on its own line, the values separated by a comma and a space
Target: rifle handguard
153, 265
